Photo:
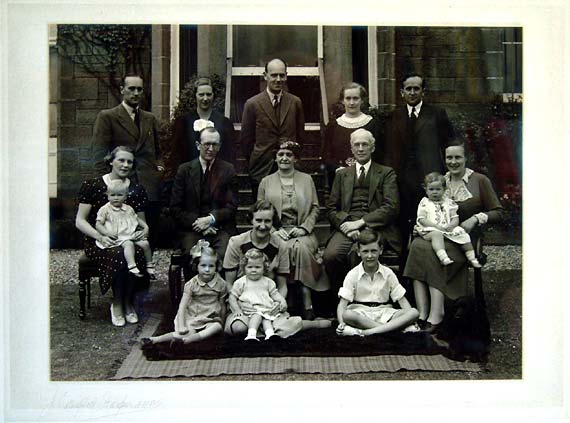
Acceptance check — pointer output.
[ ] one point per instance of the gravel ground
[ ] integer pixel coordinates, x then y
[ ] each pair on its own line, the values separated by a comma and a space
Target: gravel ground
92, 349
63, 263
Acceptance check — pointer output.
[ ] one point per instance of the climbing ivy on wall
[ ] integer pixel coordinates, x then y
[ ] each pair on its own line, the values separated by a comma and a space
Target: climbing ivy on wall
107, 51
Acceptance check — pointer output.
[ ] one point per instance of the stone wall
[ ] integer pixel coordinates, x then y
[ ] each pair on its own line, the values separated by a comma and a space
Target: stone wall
462, 65
83, 93
464, 70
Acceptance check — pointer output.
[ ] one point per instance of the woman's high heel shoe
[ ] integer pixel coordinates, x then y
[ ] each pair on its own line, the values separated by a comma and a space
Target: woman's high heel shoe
116, 319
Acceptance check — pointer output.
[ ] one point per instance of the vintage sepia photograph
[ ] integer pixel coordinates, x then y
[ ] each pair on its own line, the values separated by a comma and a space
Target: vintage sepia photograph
280, 113
330, 207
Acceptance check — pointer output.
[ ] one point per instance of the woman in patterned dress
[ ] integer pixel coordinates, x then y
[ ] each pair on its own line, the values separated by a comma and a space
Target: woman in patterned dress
264, 218
111, 263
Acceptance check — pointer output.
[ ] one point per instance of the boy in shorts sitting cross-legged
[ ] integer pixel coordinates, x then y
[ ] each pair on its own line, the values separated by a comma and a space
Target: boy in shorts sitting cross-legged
364, 308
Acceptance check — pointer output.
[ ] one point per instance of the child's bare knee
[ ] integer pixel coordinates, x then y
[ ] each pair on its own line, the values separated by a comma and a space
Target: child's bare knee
349, 316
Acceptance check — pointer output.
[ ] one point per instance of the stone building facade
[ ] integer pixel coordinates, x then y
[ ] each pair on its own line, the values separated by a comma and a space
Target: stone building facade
471, 72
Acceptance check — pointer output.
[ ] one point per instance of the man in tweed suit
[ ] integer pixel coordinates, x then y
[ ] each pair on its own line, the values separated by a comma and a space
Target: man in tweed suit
267, 117
362, 196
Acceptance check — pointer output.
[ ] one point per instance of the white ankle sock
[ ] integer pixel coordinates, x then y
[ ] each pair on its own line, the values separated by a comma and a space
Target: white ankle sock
441, 255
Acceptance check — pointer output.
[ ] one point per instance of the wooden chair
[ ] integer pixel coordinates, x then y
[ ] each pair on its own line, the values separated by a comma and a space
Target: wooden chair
178, 273
478, 273
87, 270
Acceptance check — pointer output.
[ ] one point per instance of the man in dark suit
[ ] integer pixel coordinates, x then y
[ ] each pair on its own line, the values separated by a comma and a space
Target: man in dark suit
126, 124
417, 136
267, 117
364, 195
204, 197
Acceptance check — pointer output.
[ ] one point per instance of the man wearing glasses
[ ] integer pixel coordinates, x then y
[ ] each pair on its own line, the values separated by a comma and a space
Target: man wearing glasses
204, 197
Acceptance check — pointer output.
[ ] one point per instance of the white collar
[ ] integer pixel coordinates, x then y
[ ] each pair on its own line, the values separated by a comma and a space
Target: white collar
460, 191
211, 284
204, 164
271, 95
353, 122
361, 272
130, 110
122, 208
107, 179
366, 167
417, 108
464, 178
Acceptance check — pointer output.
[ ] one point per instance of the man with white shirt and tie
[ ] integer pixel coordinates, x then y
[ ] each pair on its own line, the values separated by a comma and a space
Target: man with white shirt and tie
362, 196
267, 117
127, 124
416, 138
203, 202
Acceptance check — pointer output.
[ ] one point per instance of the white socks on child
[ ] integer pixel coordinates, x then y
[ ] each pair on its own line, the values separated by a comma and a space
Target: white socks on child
251, 335
471, 257
443, 257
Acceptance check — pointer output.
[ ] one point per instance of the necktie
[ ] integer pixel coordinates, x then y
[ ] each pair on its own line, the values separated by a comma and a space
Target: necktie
413, 116
207, 175
361, 177
137, 118
276, 106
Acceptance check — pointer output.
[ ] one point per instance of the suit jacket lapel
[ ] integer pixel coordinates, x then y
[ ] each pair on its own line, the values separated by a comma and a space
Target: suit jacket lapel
424, 115
145, 122
284, 107
348, 183
196, 178
215, 176
267, 107
125, 120
374, 180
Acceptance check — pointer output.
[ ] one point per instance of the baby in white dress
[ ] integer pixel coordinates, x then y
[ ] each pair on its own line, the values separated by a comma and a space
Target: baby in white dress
437, 219
119, 222
256, 296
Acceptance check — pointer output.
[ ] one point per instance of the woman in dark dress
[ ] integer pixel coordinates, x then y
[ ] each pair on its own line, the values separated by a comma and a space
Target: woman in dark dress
478, 205
186, 130
111, 263
336, 148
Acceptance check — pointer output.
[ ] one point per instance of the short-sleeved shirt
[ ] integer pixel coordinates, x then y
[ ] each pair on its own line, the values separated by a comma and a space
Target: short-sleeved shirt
275, 250
205, 302
358, 286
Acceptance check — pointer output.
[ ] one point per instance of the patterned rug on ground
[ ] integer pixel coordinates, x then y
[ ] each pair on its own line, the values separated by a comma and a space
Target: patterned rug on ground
311, 351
